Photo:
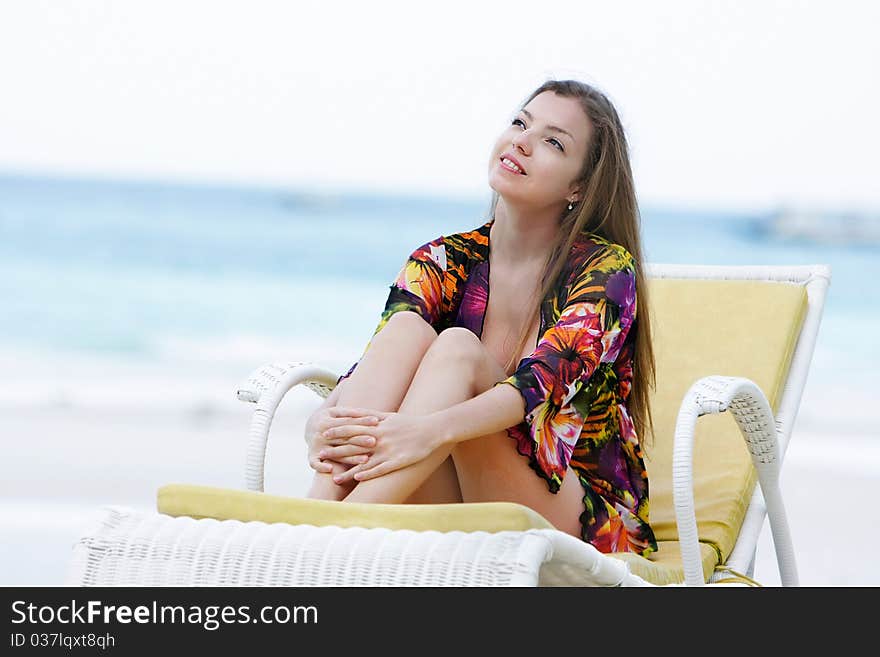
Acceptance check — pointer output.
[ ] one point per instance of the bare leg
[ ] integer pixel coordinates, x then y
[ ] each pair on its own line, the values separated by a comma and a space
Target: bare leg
489, 468
444, 378
380, 381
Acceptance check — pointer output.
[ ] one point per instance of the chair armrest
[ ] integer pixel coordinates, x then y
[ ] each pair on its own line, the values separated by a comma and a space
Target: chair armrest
265, 387
268, 377
751, 410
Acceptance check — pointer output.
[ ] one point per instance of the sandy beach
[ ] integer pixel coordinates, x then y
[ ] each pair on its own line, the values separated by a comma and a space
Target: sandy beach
64, 461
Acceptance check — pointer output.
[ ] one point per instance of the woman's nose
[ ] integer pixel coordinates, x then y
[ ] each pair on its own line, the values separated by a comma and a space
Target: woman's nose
521, 141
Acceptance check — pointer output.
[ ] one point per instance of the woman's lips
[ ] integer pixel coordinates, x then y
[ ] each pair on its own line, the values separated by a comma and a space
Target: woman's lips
507, 168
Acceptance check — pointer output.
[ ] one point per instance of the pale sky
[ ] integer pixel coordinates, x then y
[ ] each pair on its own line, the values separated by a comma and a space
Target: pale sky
727, 104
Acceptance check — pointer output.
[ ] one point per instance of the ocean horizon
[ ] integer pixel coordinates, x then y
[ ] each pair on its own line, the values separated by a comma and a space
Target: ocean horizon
135, 268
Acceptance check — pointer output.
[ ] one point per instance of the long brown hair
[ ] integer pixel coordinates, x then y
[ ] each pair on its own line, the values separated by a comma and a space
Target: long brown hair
607, 207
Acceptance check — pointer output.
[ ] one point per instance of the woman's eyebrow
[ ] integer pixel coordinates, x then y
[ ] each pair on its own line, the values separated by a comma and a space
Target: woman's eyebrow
550, 127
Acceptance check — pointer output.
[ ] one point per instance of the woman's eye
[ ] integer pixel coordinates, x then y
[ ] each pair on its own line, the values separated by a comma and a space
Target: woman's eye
555, 141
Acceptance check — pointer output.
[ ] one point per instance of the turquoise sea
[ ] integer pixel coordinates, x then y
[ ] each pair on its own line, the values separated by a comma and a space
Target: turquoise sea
144, 271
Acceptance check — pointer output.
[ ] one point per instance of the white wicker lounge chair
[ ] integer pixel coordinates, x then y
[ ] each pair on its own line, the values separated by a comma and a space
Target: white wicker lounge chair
737, 338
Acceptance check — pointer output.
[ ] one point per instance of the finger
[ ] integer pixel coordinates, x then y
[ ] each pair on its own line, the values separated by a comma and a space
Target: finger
373, 472
353, 460
343, 411
320, 466
368, 421
349, 474
362, 445
362, 441
333, 453
343, 461
347, 432
346, 461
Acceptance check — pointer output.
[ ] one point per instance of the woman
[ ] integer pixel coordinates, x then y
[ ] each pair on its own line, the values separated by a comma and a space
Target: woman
428, 412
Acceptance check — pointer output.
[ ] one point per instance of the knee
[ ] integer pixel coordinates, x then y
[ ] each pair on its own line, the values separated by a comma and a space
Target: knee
412, 325
458, 344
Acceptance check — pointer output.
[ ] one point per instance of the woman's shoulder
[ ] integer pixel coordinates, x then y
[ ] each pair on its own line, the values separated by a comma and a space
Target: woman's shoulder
459, 247
472, 244
478, 236
606, 270
592, 250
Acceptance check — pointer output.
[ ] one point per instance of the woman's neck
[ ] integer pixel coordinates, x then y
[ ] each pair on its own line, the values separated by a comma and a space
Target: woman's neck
521, 239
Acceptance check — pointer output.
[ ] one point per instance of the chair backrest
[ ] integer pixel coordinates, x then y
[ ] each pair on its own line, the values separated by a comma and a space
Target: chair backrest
729, 321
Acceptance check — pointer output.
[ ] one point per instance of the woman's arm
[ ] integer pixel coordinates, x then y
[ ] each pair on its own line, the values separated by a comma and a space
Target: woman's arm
421, 286
329, 401
495, 409
333, 397
402, 440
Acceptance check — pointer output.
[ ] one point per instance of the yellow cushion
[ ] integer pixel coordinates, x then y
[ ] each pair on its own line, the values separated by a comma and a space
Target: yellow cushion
664, 566
228, 504
729, 328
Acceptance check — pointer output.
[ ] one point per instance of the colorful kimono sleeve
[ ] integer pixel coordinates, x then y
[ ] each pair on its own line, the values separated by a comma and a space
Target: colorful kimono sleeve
591, 329
419, 287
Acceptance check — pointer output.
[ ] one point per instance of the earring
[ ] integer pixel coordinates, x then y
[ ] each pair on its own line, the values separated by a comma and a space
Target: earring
570, 206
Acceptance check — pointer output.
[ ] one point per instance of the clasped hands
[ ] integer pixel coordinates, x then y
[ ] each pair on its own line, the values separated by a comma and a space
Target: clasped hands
372, 442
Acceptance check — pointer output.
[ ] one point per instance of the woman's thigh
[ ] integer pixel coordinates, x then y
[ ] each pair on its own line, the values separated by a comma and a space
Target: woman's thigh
490, 469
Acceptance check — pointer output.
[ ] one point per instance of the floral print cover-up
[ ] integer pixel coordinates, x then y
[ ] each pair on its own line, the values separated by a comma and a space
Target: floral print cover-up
575, 383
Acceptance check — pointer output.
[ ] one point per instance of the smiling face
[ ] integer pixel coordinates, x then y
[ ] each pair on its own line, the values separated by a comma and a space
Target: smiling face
548, 139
